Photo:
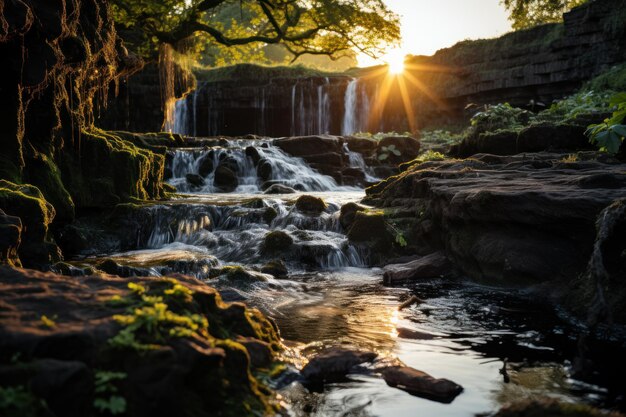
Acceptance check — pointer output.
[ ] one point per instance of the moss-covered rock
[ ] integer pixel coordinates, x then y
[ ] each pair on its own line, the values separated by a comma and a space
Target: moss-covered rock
310, 205
10, 236
159, 346
276, 241
348, 213
371, 229
276, 268
37, 249
241, 275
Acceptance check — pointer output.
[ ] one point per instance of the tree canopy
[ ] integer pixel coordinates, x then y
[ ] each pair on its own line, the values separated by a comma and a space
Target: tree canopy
336, 28
528, 13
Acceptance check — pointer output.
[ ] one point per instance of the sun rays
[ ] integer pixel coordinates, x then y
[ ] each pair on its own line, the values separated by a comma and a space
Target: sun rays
398, 80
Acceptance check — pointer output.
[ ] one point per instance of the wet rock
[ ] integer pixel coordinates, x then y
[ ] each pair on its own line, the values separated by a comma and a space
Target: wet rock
225, 178
435, 265
195, 180
332, 365
310, 205
253, 154
348, 213
240, 274
276, 241
279, 189
269, 215
264, 169
276, 268
167, 174
352, 176
309, 145
370, 228
205, 165
421, 384
414, 334
113, 268
549, 407
550, 136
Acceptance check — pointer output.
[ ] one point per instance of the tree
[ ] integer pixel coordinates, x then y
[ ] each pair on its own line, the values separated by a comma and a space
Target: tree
319, 27
529, 13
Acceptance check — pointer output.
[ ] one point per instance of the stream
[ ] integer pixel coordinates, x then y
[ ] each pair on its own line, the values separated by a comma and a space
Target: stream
462, 332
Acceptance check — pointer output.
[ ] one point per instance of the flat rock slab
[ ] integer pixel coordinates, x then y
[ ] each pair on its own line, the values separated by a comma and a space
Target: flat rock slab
421, 384
435, 265
332, 365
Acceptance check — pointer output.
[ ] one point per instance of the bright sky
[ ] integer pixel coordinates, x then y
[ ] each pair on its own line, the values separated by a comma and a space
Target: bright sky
429, 25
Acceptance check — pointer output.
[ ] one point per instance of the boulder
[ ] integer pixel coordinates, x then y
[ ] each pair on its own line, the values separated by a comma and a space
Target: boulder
361, 145
310, 205
253, 153
371, 229
76, 338
195, 180
435, 265
225, 178
348, 214
309, 145
276, 268
333, 364
264, 169
279, 189
276, 241
421, 384
206, 165
551, 136
269, 215
241, 275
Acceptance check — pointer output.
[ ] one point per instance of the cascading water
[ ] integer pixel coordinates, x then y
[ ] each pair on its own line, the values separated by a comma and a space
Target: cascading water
356, 160
356, 108
285, 169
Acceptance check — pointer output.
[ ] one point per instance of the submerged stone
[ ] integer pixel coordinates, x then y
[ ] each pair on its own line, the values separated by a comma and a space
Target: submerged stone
421, 384
310, 205
334, 364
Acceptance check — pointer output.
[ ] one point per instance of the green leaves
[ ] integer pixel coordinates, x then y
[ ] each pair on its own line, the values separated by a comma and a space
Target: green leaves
387, 151
610, 134
105, 384
114, 404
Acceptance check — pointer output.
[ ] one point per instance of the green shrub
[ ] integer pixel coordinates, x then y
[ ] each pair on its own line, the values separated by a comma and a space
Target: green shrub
610, 134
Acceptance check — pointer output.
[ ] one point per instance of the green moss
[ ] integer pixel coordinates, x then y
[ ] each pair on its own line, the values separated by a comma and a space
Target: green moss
18, 401
612, 80
110, 170
42, 172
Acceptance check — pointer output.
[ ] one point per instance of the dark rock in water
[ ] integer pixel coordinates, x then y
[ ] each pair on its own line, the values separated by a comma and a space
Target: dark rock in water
421, 384
253, 153
78, 329
167, 174
195, 180
264, 169
370, 228
435, 265
63, 268
348, 213
276, 241
352, 176
408, 147
276, 268
111, 267
309, 145
279, 189
205, 165
332, 365
269, 215
414, 334
550, 407
240, 274
310, 205
225, 178
599, 292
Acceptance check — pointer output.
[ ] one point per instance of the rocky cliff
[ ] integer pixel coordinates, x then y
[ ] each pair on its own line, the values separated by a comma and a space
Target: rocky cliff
537, 65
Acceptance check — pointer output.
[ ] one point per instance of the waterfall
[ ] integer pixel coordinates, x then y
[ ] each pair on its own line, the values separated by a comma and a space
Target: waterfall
356, 160
350, 122
285, 169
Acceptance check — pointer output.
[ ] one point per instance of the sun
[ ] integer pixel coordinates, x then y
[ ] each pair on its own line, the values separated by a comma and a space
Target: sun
395, 61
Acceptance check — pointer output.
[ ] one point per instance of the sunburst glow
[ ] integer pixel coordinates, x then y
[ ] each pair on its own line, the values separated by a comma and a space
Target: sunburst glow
395, 61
